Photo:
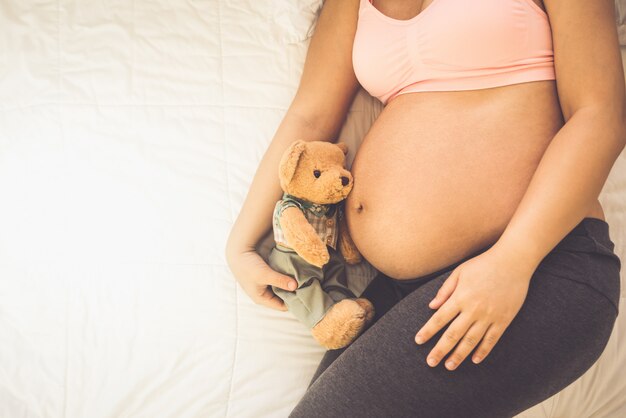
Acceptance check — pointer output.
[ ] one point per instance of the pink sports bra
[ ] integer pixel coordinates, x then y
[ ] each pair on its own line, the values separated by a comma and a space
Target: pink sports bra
452, 45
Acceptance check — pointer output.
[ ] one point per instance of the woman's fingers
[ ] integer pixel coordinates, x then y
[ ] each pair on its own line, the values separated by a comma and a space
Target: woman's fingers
270, 277
450, 338
270, 300
446, 289
467, 344
264, 274
492, 336
438, 320
273, 278
256, 277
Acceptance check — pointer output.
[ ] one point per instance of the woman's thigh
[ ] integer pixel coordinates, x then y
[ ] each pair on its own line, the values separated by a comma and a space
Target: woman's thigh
559, 332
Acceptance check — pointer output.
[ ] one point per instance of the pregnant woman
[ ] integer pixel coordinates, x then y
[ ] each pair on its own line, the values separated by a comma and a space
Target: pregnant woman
475, 197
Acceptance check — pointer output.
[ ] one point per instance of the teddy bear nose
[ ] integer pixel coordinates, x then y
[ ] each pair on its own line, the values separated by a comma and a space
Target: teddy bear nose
344, 180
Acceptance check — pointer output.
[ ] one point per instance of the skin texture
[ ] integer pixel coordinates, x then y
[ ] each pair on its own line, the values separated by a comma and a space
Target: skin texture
484, 170
585, 43
441, 174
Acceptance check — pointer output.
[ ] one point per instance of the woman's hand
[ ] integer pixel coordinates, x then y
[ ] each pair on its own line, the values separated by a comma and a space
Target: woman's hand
487, 291
255, 276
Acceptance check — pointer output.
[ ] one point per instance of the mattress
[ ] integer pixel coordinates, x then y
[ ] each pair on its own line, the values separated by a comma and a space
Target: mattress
129, 136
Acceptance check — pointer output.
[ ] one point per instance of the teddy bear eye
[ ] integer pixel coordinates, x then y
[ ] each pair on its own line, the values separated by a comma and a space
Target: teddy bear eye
317, 173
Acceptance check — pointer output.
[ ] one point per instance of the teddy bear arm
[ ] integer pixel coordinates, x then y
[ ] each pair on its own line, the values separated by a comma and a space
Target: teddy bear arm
346, 246
302, 237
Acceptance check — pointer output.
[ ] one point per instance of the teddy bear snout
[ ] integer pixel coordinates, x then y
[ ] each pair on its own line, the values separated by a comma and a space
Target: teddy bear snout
344, 180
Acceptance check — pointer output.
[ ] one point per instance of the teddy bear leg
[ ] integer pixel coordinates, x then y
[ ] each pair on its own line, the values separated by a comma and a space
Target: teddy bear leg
337, 285
336, 281
368, 307
345, 321
322, 301
341, 325
309, 302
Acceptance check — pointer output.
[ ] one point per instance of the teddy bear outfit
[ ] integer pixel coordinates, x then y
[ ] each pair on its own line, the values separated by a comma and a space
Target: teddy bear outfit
318, 288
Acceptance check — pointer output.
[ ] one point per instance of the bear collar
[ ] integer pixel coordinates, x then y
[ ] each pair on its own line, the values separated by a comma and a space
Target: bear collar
317, 209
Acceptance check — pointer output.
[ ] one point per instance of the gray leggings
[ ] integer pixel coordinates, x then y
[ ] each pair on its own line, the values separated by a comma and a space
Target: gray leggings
558, 334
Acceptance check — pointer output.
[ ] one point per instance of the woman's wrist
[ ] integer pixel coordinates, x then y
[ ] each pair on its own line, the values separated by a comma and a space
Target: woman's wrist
236, 245
518, 253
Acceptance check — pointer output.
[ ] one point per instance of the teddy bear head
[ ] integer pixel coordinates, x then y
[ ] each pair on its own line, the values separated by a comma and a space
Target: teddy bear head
315, 171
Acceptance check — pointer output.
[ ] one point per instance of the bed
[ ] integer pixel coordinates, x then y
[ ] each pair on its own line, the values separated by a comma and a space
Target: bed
129, 135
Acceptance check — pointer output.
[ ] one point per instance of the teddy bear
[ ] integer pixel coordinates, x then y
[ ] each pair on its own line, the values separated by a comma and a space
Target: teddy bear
312, 242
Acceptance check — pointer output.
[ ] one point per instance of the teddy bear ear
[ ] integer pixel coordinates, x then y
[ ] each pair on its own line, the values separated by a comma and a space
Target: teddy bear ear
343, 146
289, 161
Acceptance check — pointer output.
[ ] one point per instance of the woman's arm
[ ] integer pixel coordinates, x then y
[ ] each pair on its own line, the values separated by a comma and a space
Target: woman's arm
576, 164
483, 295
327, 87
255, 217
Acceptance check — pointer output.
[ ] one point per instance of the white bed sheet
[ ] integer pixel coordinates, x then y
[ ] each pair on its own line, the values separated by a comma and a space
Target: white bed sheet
129, 135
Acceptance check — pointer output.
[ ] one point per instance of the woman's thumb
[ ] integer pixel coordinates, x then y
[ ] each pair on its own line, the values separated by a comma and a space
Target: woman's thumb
282, 281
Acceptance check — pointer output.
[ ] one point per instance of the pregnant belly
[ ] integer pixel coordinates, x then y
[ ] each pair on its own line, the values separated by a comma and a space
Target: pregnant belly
439, 174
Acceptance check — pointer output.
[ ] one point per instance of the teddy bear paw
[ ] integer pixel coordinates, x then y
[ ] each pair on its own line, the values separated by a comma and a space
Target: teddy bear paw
368, 307
352, 259
349, 253
318, 257
343, 322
